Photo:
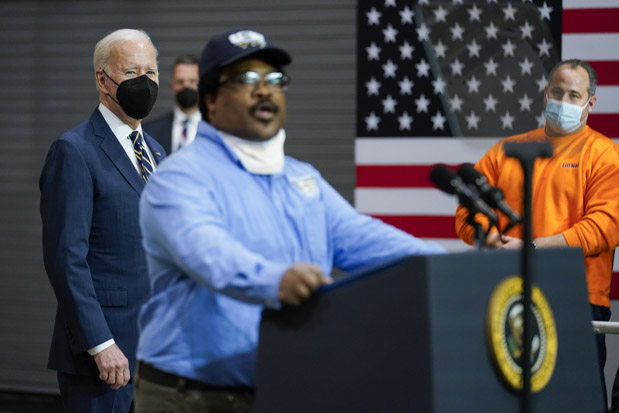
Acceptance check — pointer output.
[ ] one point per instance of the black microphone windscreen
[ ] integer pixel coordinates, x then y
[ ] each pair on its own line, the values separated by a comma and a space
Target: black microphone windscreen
442, 176
468, 173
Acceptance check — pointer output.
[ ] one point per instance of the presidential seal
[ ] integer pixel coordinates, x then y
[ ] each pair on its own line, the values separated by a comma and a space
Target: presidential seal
504, 324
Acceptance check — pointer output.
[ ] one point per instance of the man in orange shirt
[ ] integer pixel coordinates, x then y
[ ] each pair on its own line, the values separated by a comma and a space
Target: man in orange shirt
575, 193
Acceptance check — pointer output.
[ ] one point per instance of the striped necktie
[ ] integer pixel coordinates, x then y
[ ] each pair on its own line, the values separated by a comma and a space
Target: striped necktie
146, 167
183, 141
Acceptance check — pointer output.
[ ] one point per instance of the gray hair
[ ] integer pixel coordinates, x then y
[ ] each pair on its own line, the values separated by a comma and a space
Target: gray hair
104, 46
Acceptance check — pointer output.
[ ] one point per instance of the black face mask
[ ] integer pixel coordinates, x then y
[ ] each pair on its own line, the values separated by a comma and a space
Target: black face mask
136, 96
187, 98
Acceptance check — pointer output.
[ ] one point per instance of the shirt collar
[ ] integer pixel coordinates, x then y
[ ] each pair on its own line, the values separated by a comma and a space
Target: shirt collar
119, 128
180, 116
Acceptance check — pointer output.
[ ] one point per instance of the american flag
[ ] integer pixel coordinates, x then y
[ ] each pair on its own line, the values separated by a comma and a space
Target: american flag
442, 81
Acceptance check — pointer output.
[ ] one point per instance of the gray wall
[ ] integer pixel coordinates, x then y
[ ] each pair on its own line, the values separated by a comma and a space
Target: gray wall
47, 86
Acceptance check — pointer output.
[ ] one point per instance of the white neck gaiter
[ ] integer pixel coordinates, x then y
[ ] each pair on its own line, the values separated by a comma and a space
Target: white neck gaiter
259, 157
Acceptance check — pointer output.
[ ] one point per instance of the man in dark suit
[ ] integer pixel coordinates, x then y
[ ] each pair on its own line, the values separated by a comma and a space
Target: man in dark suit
178, 128
90, 187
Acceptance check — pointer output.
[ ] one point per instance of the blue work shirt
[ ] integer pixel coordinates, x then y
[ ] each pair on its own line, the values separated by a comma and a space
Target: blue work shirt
218, 240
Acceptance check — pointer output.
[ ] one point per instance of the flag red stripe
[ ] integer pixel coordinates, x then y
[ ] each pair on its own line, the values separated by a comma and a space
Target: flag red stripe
614, 287
606, 123
590, 20
607, 72
396, 176
424, 226
444, 227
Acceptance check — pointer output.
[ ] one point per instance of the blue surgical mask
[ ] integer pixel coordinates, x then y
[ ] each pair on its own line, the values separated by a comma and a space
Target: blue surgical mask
563, 116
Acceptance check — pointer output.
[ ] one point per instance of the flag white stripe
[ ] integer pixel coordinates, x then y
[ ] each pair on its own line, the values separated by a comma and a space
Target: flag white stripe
607, 99
594, 47
420, 151
590, 4
405, 201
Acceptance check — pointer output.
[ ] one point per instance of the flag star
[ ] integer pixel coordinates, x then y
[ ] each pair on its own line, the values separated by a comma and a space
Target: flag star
541, 83
541, 120
373, 86
491, 31
406, 15
389, 3
423, 33
405, 121
508, 84
390, 33
373, 51
507, 120
491, 67
544, 48
472, 120
438, 121
389, 104
545, 11
456, 67
440, 14
440, 49
526, 30
373, 17
508, 48
457, 2
389, 68
371, 122
456, 32
406, 86
525, 103
490, 103
474, 48
474, 13
426, 2
406, 51
439, 85
510, 12
422, 104
423, 68
525, 66
456, 103
473, 84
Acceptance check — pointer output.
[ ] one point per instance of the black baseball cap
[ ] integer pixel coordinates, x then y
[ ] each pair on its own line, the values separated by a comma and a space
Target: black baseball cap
231, 46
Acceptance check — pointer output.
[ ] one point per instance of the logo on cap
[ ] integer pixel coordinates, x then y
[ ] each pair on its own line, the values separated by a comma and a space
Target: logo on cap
247, 38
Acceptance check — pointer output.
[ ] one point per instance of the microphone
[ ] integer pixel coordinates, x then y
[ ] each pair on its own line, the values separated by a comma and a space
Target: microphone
491, 194
468, 196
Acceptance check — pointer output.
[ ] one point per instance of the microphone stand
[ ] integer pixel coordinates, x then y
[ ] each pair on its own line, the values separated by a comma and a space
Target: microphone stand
526, 153
480, 236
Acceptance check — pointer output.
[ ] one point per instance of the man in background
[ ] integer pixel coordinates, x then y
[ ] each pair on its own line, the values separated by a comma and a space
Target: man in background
178, 128
232, 225
90, 189
575, 193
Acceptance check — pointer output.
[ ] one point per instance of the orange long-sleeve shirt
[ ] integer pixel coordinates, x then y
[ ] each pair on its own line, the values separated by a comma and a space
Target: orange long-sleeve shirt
575, 193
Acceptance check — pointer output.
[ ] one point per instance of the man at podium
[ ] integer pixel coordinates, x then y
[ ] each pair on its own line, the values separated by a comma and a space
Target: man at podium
232, 225
575, 193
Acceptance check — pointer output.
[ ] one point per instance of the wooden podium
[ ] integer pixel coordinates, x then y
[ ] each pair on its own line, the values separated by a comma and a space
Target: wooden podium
412, 336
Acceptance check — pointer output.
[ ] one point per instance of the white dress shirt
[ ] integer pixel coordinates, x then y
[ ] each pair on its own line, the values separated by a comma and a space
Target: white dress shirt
122, 131
177, 128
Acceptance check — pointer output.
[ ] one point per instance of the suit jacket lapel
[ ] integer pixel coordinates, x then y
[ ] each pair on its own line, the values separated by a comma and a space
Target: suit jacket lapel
115, 152
155, 148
